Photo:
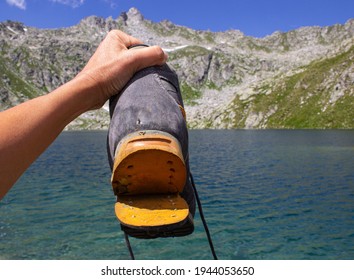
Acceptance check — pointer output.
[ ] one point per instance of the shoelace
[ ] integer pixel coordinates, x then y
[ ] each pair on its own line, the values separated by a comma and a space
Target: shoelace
211, 245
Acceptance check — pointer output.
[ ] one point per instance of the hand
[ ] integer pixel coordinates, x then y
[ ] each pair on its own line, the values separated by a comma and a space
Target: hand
112, 65
29, 128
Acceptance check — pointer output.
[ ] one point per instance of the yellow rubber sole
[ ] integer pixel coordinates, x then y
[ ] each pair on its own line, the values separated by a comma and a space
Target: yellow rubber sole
149, 164
148, 174
151, 210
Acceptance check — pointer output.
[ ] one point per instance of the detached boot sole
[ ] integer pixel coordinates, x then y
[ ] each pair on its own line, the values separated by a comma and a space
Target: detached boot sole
153, 216
149, 173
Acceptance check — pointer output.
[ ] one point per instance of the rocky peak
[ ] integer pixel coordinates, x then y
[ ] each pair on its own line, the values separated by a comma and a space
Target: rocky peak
223, 75
12, 28
18, 26
134, 16
123, 16
93, 21
349, 24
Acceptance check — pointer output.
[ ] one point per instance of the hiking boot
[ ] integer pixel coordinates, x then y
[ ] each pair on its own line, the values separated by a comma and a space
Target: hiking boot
148, 154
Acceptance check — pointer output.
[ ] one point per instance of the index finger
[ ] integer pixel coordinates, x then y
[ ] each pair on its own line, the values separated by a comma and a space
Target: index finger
124, 38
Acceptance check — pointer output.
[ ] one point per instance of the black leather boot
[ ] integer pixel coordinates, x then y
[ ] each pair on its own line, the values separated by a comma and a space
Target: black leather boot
148, 154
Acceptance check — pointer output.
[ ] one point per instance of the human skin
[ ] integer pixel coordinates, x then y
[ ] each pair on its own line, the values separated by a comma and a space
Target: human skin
26, 130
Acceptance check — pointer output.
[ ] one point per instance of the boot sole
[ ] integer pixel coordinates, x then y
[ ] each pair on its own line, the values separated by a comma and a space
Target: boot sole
148, 174
152, 216
148, 163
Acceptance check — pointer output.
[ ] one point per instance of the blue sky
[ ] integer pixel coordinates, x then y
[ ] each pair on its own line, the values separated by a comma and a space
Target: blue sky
253, 17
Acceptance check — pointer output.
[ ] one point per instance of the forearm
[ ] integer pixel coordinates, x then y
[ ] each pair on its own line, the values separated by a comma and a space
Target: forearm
29, 128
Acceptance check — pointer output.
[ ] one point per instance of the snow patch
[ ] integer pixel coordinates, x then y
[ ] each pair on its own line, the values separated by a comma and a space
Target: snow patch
174, 49
13, 31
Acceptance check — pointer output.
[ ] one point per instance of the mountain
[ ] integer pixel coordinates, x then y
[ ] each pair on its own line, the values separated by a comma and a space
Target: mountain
299, 79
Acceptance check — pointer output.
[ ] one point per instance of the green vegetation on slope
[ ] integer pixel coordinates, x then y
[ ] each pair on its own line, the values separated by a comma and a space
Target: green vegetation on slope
12, 79
189, 94
303, 100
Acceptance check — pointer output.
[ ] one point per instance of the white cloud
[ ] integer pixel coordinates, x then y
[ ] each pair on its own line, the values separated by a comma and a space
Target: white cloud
71, 3
17, 3
112, 3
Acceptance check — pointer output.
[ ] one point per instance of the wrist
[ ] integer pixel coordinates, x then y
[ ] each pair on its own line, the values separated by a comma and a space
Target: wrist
86, 92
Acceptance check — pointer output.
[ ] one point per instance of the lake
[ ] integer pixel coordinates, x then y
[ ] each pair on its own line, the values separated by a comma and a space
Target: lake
266, 194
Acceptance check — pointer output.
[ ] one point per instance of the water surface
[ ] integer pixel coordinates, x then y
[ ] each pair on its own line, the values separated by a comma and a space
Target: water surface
267, 194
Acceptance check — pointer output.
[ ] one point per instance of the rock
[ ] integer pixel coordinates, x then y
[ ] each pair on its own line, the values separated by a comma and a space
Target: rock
134, 16
228, 79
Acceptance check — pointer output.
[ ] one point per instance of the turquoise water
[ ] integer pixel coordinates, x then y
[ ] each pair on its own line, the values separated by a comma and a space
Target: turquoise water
266, 194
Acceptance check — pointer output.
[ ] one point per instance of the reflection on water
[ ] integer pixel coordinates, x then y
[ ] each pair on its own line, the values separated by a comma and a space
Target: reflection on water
270, 194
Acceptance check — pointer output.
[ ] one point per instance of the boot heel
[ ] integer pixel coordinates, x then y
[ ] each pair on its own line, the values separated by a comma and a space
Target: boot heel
148, 162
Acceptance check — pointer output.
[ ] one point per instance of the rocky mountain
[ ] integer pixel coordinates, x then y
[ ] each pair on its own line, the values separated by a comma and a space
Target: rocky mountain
300, 79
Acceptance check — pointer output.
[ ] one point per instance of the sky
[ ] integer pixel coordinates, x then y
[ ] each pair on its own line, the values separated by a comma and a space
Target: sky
256, 18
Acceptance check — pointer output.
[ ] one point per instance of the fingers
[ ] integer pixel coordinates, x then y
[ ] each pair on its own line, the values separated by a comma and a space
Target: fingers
121, 37
149, 56
141, 57
113, 64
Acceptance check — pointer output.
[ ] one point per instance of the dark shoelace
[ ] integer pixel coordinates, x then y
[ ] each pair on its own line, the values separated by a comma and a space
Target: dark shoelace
201, 216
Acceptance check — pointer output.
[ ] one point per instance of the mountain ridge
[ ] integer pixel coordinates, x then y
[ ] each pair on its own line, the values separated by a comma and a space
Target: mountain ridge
228, 79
